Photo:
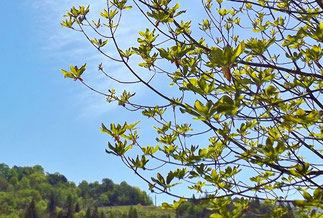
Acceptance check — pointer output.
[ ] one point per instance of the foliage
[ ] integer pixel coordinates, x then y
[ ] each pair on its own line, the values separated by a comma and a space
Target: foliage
195, 208
141, 211
249, 80
34, 193
31, 211
132, 213
189, 209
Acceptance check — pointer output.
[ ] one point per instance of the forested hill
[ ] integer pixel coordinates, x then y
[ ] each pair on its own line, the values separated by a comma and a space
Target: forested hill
23, 188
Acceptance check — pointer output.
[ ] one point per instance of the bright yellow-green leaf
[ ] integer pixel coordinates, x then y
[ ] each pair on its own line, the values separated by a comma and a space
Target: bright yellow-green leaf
300, 112
215, 215
67, 74
238, 51
200, 107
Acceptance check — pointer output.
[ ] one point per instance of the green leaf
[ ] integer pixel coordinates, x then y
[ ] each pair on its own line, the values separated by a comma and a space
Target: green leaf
307, 196
317, 34
161, 179
73, 70
200, 107
67, 74
238, 51
270, 90
203, 152
318, 194
104, 129
300, 112
215, 215
176, 6
167, 206
81, 70
299, 203
170, 177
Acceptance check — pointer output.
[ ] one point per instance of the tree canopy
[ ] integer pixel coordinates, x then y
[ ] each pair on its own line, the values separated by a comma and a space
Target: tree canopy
239, 107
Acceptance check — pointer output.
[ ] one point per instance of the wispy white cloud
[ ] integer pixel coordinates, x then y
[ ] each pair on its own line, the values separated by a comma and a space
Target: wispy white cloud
70, 47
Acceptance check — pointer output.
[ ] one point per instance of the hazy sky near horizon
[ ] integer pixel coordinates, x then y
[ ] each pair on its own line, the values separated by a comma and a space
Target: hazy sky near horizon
44, 118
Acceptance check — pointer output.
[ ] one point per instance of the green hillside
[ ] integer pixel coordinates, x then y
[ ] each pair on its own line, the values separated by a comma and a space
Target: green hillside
137, 211
25, 191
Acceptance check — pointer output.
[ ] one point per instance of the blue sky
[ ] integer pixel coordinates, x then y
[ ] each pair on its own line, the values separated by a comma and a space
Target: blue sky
48, 120
41, 113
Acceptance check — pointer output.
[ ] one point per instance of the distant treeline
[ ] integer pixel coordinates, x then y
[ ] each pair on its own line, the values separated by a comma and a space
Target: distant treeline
26, 191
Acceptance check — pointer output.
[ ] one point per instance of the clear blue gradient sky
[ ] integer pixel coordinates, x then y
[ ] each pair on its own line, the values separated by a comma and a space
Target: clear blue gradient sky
48, 120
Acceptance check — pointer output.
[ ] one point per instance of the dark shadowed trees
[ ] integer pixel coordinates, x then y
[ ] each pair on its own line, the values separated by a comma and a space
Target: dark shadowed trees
31, 211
